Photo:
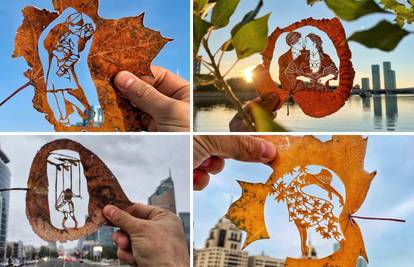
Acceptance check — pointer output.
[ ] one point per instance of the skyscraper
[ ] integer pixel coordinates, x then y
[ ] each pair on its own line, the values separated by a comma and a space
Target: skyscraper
389, 76
365, 84
164, 195
185, 218
376, 80
4, 202
361, 262
222, 247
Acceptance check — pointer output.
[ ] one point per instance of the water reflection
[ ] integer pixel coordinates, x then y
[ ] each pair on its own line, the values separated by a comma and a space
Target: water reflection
359, 114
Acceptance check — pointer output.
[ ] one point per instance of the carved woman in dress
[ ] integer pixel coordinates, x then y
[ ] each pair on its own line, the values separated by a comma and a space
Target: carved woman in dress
308, 211
314, 68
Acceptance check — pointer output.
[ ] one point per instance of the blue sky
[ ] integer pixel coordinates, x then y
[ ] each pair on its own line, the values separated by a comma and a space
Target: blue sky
391, 195
171, 18
287, 12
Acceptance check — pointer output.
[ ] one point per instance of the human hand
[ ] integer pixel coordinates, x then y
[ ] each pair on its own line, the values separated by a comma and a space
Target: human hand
165, 98
210, 152
149, 236
268, 102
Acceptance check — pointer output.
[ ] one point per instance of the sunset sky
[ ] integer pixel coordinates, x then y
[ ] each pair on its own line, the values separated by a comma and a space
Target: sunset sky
287, 12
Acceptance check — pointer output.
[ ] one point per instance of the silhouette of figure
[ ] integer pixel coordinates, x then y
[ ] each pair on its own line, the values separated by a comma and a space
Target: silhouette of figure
287, 61
313, 68
64, 44
66, 206
308, 211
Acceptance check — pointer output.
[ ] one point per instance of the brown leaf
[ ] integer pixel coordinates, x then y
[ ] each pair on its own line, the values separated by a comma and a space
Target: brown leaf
344, 155
103, 189
314, 102
118, 44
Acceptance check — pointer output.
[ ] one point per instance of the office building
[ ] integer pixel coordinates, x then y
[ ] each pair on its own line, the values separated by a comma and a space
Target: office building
361, 262
222, 247
95, 117
265, 261
376, 77
164, 195
16, 249
389, 76
365, 84
185, 218
4, 202
312, 254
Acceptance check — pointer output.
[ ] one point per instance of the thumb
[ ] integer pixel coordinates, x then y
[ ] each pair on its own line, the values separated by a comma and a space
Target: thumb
243, 148
142, 94
121, 219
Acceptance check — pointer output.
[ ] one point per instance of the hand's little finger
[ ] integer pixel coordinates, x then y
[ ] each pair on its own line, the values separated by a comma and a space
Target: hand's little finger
200, 179
212, 165
121, 240
126, 256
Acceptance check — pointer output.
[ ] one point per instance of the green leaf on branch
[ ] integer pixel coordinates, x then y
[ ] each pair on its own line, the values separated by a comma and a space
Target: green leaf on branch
199, 6
264, 122
200, 28
222, 12
252, 37
384, 36
403, 13
354, 9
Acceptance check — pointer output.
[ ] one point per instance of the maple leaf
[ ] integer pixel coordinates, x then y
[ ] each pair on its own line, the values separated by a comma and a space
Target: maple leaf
344, 156
103, 189
118, 44
314, 102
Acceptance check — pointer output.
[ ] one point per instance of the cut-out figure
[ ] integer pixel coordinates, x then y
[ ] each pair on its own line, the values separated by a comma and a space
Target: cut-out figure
286, 61
314, 69
308, 211
64, 44
65, 205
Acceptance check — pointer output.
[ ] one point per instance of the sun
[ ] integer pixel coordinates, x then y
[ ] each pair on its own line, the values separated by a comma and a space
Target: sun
248, 74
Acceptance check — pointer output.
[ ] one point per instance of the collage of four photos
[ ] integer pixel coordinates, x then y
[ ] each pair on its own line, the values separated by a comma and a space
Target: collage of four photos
207, 133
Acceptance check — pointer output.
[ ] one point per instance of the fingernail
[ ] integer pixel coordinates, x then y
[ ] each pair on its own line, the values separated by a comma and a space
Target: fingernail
206, 163
268, 151
108, 211
125, 80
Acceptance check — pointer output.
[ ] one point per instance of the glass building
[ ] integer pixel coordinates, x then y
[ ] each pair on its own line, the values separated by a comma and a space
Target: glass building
4, 202
376, 80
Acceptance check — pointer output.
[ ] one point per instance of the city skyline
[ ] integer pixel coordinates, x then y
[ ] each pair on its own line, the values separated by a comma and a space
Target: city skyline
390, 195
284, 14
144, 170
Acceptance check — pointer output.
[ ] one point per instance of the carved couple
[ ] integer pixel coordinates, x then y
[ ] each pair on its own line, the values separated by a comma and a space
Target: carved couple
305, 66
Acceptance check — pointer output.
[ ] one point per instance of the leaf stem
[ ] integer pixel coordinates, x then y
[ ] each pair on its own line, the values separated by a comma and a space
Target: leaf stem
378, 219
222, 84
13, 189
18, 90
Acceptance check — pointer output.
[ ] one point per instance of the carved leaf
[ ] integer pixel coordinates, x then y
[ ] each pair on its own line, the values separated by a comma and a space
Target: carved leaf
344, 155
118, 44
103, 189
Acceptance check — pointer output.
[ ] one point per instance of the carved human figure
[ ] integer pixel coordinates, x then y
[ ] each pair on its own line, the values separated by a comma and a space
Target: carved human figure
313, 68
287, 67
65, 205
64, 44
307, 210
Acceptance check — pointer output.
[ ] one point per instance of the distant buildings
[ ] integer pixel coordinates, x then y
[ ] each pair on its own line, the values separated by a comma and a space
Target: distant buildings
390, 81
164, 195
365, 84
376, 77
4, 202
17, 250
361, 262
197, 65
265, 261
101, 238
185, 218
222, 248
94, 117
389, 76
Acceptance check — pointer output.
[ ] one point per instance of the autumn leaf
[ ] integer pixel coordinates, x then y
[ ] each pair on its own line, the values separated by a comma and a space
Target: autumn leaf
344, 156
313, 102
118, 44
103, 189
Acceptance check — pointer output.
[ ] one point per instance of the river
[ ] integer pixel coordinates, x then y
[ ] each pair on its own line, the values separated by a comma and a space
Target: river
360, 114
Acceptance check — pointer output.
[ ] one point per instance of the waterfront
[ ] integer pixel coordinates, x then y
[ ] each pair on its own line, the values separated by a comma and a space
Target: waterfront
360, 114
